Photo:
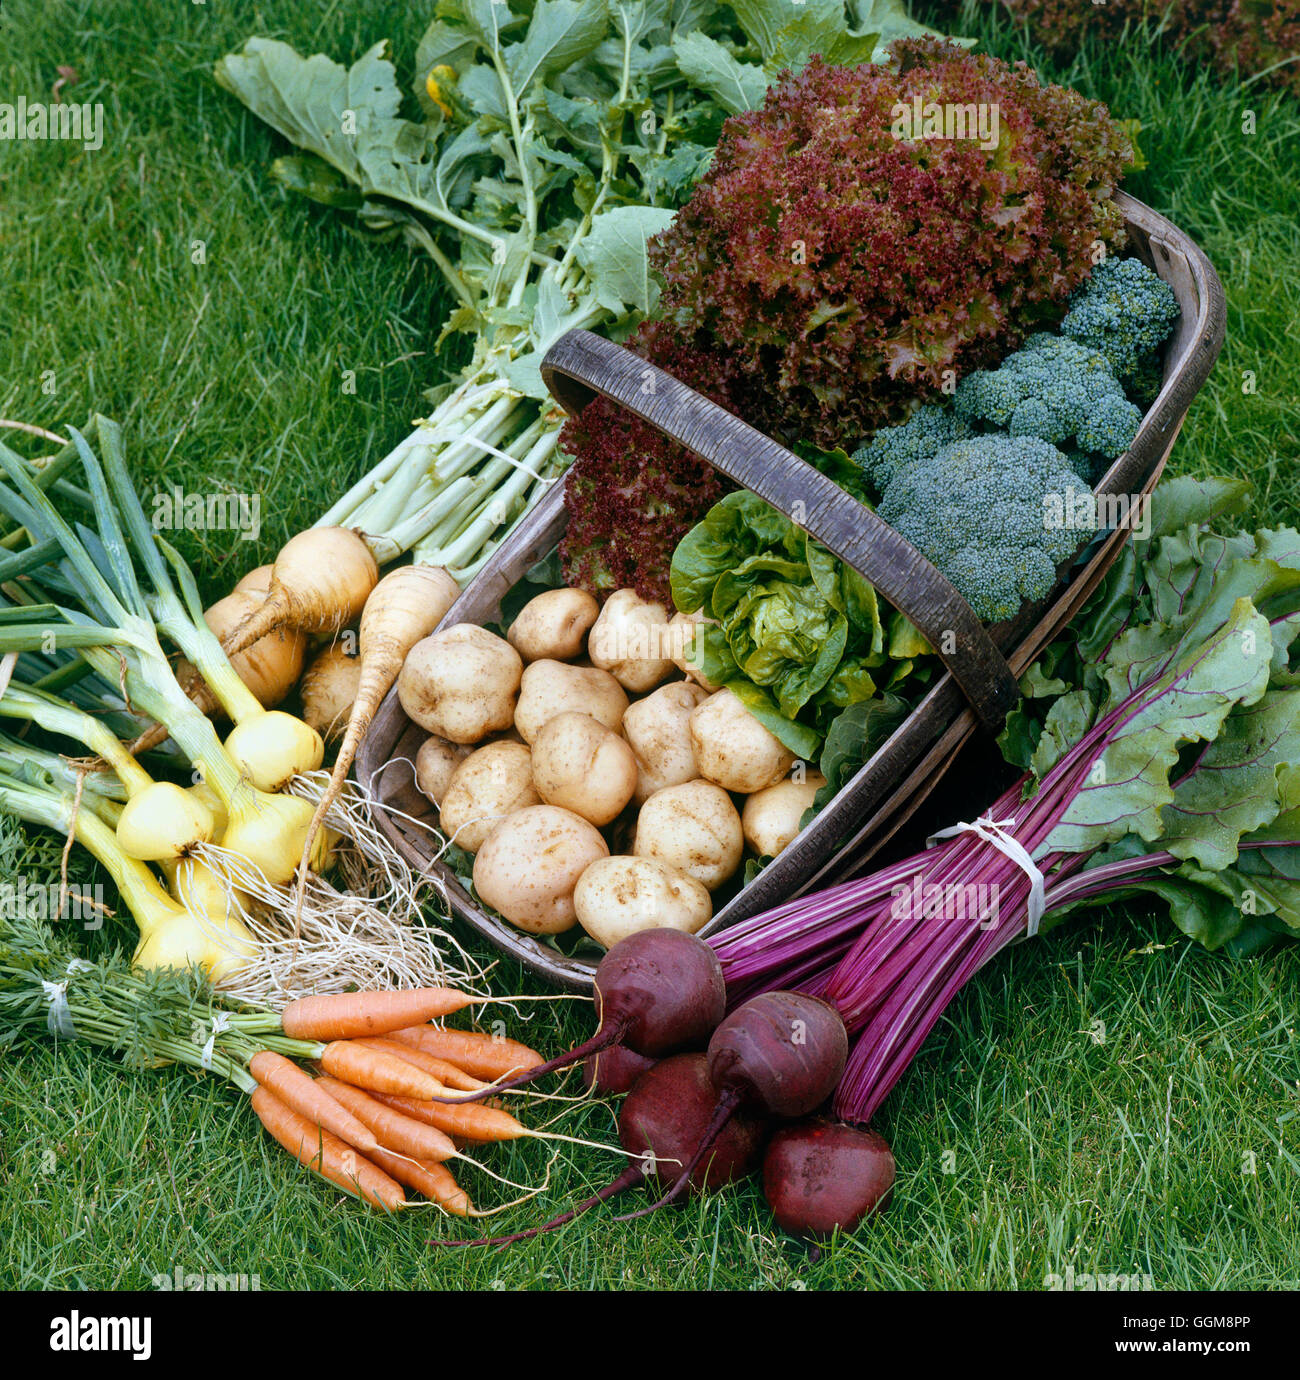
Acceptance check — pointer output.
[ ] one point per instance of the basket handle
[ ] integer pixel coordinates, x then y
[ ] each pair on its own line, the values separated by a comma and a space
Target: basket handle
581, 364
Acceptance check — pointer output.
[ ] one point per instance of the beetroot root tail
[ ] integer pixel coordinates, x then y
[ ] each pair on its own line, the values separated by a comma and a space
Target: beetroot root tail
629, 1178
602, 1039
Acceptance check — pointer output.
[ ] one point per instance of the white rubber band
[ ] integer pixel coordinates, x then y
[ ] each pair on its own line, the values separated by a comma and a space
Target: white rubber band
58, 1020
220, 1022
994, 831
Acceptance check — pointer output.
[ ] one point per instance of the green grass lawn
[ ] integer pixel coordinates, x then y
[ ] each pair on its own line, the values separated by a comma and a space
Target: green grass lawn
1110, 1097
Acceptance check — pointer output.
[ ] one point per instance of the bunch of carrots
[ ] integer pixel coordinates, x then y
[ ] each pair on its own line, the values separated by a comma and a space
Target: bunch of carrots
369, 1121
347, 1084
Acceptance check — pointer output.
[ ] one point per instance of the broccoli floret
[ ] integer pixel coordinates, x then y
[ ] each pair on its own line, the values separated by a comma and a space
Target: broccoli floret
1125, 311
996, 514
1109, 429
1055, 389
926, 431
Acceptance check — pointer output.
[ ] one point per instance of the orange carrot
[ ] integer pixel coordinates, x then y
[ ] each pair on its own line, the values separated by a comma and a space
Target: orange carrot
443, 1071
393, 1129
348, 1015
303, 1094
485, 1056
471, 1121
377, 1071
325, 1154
432, 1180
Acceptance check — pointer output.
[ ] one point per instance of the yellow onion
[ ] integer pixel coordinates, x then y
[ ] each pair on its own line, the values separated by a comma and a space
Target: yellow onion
270, 830
271, 749
163, 821
201, 791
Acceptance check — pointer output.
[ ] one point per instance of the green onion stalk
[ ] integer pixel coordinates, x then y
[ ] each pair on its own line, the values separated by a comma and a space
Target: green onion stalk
26, 762
113, 627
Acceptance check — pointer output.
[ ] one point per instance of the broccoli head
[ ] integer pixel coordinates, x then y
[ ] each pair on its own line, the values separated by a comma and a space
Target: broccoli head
997, 514
1124, 310
925, 432
1054, 389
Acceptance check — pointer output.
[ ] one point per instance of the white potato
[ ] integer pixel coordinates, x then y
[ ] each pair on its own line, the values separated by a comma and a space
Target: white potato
461, 683
554, 625
693, 827
771, 816
616, 897
491, 783
734, 750
630, 640
582, 766
435, 762
530, 863
658, 729
551, 687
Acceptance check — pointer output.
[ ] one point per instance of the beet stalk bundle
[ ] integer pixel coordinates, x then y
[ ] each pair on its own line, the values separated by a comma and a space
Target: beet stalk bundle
1161, 746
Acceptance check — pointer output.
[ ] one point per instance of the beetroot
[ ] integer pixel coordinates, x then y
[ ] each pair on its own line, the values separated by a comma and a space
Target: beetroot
666, 1115
822, 1175
780, 1055
781, 1051
661, 1124
657, 992
611, 1072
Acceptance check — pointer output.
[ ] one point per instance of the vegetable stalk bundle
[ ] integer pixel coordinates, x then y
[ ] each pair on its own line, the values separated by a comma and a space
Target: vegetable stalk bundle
1161, 742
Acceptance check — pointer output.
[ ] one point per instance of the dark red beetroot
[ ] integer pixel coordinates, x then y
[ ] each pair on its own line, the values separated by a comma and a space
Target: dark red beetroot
657, 992
820, 1175
611, 1072
778, 1055
660, 1125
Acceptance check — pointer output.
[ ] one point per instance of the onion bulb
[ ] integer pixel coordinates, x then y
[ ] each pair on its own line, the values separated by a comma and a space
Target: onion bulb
271, 830
163, 821
273, 748
220, 945
210, 932
204, 793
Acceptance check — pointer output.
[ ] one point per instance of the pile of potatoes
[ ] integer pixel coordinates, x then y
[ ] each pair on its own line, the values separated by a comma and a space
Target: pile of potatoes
597, 778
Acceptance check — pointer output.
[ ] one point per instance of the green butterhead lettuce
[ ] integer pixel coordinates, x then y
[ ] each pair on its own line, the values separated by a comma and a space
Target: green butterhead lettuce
795, 633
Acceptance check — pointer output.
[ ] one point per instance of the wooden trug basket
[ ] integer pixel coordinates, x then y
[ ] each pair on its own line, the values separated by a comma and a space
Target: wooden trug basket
978, 684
